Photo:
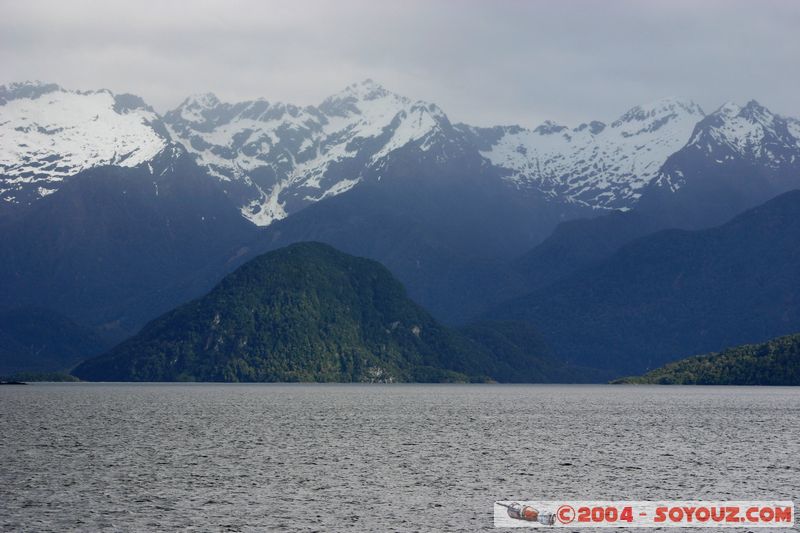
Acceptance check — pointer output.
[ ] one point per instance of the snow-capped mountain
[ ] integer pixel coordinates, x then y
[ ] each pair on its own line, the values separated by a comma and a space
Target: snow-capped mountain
277, 157
594, 164
48, 134
273, 159
732, 135
736, 158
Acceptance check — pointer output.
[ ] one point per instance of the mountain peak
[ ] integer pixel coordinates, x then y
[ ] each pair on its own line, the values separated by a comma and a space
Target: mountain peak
201, 101
364, 91
753, 104
752, 112
659, 109
755, 112
367, 89
193, 108
750, 133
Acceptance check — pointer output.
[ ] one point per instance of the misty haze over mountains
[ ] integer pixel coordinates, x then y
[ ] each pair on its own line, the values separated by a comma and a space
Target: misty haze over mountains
111, 213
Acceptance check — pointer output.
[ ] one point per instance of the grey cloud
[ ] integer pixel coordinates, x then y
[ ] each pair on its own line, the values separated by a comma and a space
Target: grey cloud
482, 62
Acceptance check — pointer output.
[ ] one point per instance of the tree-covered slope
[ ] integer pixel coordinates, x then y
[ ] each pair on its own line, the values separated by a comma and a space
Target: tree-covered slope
776, 362
306, 312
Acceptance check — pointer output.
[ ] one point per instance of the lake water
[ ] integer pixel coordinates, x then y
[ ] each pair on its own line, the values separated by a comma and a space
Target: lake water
376, 457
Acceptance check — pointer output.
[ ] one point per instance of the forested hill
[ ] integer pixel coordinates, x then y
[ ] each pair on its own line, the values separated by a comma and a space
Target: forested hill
309, 312
776, 362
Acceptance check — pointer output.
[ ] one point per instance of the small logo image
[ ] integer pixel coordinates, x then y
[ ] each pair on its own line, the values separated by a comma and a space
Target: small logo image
527, 513
643, 514
566, 514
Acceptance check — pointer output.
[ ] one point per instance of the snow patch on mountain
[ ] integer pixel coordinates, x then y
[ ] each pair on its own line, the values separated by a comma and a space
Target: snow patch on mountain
746, 131
273, 159
48, 134
266, 208
734, 134
595, 164
282, 153
793, 126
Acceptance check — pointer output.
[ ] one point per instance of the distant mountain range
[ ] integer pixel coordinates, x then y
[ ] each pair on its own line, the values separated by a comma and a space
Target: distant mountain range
112, 214
273, 159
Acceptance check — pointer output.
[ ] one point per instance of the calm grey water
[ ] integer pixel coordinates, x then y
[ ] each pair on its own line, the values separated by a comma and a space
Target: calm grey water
376, 457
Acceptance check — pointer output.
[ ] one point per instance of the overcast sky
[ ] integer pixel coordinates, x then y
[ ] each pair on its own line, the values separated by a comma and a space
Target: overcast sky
484, 62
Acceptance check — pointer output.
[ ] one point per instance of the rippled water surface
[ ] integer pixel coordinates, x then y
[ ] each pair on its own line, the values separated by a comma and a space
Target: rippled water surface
376, 457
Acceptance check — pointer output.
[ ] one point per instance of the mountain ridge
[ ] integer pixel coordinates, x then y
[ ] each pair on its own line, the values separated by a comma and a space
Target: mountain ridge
274, 159
675, 292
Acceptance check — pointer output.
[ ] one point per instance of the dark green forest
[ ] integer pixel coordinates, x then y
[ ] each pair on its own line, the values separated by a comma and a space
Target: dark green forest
308, 312
776, 362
